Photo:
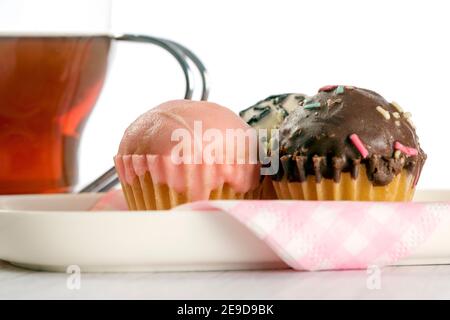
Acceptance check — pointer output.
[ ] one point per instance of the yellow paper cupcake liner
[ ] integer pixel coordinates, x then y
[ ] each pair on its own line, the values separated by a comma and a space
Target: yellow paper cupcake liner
268, 191
143, 194
401, 188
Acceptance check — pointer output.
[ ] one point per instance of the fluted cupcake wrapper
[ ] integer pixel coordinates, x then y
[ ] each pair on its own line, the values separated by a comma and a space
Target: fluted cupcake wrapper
298, 168
348, 188
155, 183
144, 194
268, 191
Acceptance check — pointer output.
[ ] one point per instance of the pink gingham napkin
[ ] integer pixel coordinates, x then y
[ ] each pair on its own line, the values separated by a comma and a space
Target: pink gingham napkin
330, 235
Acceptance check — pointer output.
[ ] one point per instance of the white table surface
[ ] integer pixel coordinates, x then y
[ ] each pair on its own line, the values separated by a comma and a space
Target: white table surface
428, 282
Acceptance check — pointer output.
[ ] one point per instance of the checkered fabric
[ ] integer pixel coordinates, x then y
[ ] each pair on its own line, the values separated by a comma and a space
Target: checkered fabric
327, 235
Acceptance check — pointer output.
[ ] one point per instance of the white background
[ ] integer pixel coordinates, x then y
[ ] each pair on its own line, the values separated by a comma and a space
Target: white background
256, 48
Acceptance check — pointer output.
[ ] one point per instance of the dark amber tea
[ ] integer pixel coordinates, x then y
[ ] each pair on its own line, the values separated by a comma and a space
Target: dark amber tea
48, 87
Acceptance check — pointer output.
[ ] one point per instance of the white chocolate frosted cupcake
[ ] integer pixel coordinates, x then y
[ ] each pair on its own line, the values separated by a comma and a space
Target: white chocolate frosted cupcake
269, 114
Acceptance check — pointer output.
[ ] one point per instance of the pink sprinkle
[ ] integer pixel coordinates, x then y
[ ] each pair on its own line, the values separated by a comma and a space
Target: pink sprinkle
328, 88
406, 150
359, 145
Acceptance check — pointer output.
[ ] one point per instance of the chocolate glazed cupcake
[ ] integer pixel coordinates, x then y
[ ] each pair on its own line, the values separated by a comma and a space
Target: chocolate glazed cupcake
347, 143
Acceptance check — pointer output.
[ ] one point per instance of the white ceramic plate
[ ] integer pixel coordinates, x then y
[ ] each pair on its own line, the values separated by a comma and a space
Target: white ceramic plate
52, 232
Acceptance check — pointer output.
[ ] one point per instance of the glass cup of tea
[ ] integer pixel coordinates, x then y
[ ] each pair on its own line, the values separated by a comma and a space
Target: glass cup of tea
52, 68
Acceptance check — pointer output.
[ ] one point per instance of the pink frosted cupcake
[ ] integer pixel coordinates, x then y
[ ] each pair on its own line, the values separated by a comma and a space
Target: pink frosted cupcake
173, 154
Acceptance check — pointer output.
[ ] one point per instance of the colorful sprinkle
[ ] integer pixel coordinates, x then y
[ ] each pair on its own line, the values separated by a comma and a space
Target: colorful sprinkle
406, 150
397, 154
328, 88
359, 145
396, 115
383, 112
397, 106
331, 102
312, 105
339, 90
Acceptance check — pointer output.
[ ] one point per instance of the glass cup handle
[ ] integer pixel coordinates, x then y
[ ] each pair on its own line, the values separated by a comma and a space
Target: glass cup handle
184, 57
